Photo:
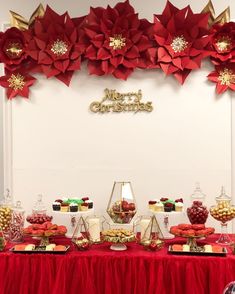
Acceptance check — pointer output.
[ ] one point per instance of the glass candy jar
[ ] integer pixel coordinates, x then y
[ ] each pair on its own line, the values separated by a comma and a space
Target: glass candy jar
17, 223
39, 215
223, 211
198, 212
5, 214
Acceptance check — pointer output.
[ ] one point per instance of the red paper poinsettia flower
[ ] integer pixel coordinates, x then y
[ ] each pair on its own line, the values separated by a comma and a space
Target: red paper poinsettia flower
17, 83
182, 38
223, 43
12, 48
116, 40
224, 77
54, 45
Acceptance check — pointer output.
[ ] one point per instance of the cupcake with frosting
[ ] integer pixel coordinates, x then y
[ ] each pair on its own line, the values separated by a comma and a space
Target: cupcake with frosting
64, 207
152, 204
90, 203
159, 207
56, 206
73, 207
84, 206
179, 206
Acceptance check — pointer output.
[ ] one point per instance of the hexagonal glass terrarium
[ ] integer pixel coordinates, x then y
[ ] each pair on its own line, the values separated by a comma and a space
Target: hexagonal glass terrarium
122, 205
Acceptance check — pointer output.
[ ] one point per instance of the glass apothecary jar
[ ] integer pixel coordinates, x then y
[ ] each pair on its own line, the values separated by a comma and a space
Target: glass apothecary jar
5, 214
197, 212
224, 212
39, 212
17, 223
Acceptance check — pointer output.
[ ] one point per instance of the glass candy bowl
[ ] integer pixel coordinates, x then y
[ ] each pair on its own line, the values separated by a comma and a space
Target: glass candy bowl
224, 212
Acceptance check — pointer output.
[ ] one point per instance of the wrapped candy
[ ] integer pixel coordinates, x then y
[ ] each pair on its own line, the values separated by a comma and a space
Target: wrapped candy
17, 223
5, 214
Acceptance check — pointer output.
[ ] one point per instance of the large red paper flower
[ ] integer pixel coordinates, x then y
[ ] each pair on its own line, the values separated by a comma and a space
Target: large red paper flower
54, 45
12, 48
116, 40
17, 83
224, 77
182, 38
223, 43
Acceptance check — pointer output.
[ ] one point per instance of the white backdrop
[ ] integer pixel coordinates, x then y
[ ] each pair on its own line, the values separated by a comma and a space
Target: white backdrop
60, 148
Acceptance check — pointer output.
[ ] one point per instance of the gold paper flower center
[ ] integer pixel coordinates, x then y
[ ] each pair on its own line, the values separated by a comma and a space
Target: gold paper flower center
117, 42
179, 44
16, 82
59, 47
223, 43
14, 50
226, 77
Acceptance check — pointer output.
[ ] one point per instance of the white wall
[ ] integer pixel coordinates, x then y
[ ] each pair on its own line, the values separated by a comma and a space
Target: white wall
60, 148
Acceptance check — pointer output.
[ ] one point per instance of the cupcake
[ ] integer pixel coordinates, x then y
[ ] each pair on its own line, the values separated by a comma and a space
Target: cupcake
73, 207
64, 207
152, 204
84, 207
90, 204
56, 206
179, 206
168, 207
159, 207
79, 203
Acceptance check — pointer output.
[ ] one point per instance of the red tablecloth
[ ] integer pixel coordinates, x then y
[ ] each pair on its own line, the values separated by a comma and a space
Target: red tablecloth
102, 271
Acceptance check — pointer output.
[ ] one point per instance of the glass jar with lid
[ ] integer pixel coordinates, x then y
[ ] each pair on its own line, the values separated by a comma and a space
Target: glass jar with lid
197, 212
17, 223
39, 212
223, 211
5, 214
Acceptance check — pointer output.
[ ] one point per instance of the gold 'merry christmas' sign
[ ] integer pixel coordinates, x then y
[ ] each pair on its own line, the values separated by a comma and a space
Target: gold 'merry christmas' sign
114, 101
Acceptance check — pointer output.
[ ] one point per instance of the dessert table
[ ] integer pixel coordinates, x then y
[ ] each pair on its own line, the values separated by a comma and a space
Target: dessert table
102, 271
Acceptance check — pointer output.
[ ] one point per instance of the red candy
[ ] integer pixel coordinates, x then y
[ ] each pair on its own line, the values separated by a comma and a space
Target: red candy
197, 213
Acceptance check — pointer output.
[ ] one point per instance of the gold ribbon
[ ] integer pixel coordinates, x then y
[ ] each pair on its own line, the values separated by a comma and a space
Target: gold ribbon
21, 23
221, 19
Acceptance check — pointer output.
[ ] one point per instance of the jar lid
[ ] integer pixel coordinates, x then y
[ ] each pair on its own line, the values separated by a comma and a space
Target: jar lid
18, 207
197, 194
223, 196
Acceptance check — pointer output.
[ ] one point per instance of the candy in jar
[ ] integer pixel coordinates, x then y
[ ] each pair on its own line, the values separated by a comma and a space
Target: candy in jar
5, 214
17, 223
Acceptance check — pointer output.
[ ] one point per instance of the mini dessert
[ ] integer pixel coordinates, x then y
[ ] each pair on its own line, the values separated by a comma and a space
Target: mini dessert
187, 230
56, 206
186, 248
90, 204
59, 200
29, 247
50, 247
217, 249
38, 218
207, 248
84, 207
185, 226
177, 247
118, 235
73, 207
64, 207
159, 207
168, 207
85, 199
152, 204
179, 206
59, 248
46, 229
20, 247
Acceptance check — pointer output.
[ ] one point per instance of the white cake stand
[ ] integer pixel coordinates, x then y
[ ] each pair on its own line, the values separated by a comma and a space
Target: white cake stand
74, 216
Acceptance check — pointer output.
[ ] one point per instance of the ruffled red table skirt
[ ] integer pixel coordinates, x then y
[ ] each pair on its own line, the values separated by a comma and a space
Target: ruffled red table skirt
102, 271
